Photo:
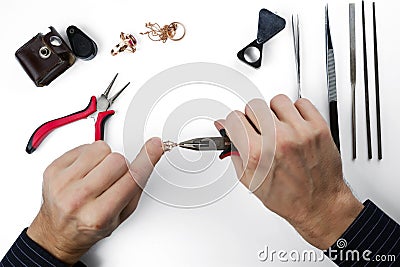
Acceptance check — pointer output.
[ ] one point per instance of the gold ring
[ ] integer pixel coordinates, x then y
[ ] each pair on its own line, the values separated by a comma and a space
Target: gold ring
174, 25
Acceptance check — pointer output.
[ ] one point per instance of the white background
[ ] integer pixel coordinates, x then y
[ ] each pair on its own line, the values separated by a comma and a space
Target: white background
233, 230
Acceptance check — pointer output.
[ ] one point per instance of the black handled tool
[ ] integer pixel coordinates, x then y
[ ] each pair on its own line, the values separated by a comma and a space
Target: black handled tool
367, 114
377, 93
331, 79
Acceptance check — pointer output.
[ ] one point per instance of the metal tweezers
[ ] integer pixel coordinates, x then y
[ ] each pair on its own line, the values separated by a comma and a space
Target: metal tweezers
296, 44
353, 76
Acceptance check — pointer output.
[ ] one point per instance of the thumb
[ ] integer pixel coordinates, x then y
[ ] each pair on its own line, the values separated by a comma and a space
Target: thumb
142, 166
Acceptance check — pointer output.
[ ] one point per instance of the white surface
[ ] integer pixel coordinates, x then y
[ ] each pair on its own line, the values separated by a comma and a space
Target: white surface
233, 230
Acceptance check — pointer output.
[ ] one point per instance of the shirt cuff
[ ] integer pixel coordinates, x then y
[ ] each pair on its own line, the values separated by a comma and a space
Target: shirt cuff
372, 239
26, 252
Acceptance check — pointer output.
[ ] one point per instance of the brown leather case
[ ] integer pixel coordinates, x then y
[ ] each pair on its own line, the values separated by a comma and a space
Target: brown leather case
45, 57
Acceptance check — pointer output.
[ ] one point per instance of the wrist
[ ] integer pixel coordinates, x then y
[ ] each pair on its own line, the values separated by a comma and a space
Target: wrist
345, 210
41, 233
332, 220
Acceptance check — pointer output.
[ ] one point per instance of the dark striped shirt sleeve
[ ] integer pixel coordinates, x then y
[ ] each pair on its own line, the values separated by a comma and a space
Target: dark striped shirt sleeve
373, 239
26, 252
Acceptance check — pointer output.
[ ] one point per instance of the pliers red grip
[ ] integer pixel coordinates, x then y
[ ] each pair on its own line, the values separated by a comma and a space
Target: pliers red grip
98, 105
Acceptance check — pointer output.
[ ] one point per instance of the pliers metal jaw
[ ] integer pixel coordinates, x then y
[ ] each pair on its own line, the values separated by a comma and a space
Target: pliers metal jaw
103, 102
211, 144
97, 108
206, 143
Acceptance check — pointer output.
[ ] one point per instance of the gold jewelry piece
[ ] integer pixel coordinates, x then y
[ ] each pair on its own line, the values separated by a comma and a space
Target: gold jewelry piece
169, 145
157, 33
128, 43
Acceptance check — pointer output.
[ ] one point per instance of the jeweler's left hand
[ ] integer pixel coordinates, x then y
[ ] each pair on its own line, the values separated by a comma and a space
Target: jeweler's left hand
87, 193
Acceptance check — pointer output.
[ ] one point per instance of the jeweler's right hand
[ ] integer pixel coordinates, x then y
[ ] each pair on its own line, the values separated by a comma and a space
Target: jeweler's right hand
87, 193
300, 178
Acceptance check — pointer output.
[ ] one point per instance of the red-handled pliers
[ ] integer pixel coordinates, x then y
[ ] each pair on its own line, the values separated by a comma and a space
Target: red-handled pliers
97, 106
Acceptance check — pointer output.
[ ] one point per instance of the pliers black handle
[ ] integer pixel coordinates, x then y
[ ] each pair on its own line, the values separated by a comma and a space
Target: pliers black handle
229, 150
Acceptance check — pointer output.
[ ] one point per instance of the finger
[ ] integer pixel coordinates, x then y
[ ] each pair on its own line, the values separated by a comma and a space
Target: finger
131, 207
262, 151
262, 154
142, 166
285, 110
98, 180
246, 140
219, 124
308, 111
68, 158
121, 193
238, 164
237, 161
114, 200
88, 159
250, 114
261, 115
240, 132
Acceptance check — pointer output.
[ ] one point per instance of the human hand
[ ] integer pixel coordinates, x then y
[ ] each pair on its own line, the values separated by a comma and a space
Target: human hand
87, 193
300, 178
